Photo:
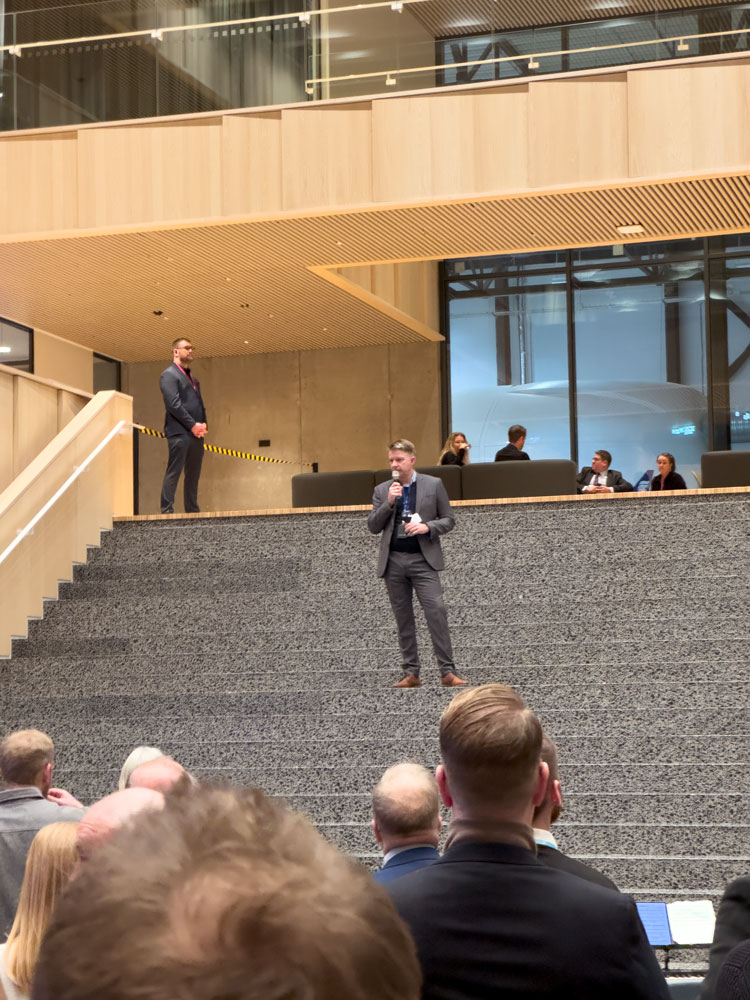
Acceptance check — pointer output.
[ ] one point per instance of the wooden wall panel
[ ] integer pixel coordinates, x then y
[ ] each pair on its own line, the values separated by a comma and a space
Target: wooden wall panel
34, 421
326, 156
578, 130
684, 119
6, 439
68, 405
251, 164
44, 167
150, 173
449, 145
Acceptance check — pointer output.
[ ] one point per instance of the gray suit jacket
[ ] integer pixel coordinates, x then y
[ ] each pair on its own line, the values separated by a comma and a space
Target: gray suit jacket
433, 506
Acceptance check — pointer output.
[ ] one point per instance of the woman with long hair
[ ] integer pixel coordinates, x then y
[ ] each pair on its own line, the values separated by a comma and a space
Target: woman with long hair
667, 479
455, 450
49, 865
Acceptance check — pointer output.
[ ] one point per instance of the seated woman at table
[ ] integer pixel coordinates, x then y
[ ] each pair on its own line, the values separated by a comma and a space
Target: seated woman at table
667, 479
455, 450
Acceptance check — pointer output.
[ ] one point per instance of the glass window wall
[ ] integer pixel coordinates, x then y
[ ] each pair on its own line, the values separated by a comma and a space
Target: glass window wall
609, 347
16, 345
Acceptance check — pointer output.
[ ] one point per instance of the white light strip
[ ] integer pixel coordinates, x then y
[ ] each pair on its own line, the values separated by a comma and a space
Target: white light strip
526, 57
303, 16
23, 532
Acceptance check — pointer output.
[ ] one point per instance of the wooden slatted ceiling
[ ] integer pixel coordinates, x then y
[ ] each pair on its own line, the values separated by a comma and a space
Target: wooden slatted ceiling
101, 291
452, 18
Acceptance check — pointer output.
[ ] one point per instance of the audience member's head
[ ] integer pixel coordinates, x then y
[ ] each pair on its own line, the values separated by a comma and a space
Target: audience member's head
49, 864
601, 460
406, 807
110, 813
27, 758
225, 893
490, 743
549, 809
141, 755
517, 435
161, 775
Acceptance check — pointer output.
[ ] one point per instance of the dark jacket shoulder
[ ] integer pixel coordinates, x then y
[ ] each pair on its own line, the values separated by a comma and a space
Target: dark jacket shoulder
556, 859
511, 454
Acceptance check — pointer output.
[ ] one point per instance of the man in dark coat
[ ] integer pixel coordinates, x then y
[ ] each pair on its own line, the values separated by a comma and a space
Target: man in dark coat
513, 451
599, 478
489, 919
547, 813
185, 427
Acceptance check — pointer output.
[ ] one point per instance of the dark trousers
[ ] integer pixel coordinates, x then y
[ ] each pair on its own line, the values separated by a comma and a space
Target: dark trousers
185, 452
406, 573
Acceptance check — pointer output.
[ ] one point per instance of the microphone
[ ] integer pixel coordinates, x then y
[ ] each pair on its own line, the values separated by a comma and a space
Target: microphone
395, 474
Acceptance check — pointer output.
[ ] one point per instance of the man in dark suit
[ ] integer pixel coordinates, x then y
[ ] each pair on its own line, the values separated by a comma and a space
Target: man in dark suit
547, 813
406, 820
489, 919
732, 927
599, 478
412, 511
185, 427
513, 451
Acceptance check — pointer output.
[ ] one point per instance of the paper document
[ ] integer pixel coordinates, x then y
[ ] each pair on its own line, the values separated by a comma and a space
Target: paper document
692, 921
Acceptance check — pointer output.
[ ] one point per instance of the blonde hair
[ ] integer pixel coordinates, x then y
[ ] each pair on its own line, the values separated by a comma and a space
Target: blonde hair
448, 446
23, 754
49, 864
491, 745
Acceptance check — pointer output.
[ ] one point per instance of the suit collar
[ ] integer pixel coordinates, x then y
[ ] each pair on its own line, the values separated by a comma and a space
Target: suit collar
495, 853
409, 854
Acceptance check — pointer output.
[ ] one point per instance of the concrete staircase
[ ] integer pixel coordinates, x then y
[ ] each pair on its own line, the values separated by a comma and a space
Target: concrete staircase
262, 650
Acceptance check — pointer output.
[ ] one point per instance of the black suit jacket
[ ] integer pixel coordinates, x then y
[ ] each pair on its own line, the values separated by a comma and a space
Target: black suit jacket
511, 454
492, 922
556, 859
674, 482
614, 479
732, 927
183, 403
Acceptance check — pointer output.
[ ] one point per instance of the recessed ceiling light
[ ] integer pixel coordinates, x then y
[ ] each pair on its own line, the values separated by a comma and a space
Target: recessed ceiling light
246, 341
339, 243
270, 315
630, 230
5, 349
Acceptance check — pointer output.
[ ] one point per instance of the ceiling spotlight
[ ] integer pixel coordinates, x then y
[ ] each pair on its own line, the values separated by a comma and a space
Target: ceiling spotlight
5, 349
390, 81
533, 63
245, 341
15, 50
683, 46
630, 230
304, 17
398, 6
156, 35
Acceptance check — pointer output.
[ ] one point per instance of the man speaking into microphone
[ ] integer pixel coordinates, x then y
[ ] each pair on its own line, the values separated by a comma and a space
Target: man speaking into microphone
412, 511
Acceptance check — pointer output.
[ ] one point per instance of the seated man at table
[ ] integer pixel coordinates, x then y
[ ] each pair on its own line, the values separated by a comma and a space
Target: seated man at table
513, 451
599, 478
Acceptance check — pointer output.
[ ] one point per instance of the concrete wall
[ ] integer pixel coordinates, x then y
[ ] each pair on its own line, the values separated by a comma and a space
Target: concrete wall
62, 361
339, 408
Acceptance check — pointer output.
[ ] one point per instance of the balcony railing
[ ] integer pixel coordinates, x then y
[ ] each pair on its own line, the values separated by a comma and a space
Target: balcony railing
127, 59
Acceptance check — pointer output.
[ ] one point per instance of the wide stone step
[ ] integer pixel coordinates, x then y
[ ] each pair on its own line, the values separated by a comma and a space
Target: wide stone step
430, 700
586, 840
579, 807
382, 751
158, 730
362, 671
280, 779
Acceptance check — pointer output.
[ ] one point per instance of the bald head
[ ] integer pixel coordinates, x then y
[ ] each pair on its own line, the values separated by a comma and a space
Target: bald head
160, 775
108, 814
406, 807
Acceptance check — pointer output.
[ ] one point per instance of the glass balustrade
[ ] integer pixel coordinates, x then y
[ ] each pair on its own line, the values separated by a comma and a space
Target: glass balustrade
115, 60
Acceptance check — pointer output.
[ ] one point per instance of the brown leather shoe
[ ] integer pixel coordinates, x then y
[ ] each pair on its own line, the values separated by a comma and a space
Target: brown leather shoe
408, 681
451, 680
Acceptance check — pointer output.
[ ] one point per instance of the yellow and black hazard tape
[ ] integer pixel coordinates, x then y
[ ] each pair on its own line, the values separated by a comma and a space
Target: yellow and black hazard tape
217, 450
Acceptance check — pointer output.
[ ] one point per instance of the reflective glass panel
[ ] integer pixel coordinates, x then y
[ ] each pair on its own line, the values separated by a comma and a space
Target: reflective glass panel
508, 365
15, 345
640, 366
730, 325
